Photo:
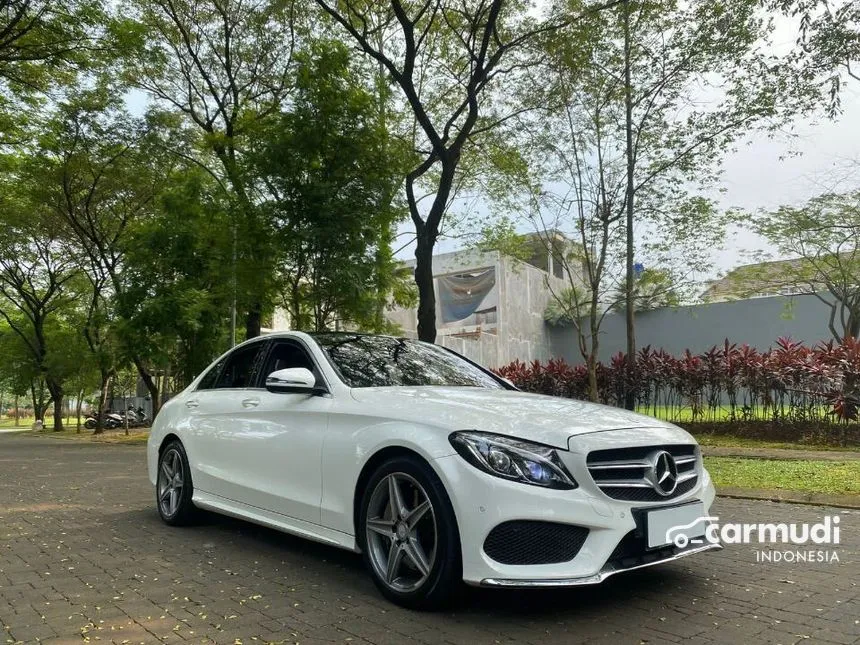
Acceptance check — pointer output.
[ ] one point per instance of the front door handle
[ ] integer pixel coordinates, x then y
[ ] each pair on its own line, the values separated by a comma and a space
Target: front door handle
191, 404
250, 403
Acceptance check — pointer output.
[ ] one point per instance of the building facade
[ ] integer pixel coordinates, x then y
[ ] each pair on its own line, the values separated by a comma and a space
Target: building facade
489, 306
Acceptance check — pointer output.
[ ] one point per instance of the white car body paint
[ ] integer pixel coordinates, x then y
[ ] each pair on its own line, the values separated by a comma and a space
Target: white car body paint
292, 461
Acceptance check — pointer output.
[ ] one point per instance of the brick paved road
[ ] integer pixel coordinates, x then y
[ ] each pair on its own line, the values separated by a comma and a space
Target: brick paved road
83, 556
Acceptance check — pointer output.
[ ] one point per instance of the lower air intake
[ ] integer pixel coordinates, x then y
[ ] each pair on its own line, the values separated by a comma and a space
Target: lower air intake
534, 542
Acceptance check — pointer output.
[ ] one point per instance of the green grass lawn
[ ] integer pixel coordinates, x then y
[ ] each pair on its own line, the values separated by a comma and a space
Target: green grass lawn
830, 477
721, 413
134, 436
730, 441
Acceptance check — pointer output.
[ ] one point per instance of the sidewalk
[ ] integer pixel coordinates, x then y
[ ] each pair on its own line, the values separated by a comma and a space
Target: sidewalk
780, 453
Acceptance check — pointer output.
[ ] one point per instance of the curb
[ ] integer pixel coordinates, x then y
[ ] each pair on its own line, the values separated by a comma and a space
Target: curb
792, 497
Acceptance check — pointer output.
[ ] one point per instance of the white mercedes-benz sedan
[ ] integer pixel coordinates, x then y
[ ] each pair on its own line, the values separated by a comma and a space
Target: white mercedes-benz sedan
431, 466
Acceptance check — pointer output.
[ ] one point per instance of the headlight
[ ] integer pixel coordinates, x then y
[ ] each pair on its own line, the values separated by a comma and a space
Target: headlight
514, 459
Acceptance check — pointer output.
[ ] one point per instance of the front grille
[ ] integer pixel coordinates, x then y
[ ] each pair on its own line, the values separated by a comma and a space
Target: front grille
621, 472
533, 542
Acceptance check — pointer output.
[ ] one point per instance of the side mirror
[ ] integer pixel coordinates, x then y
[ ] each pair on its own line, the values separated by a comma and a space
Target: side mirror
292, 379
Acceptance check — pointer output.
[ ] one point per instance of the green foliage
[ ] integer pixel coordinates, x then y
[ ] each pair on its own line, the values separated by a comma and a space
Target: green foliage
828, 50
502, 236
176, 302
225, 68
652, 289
44, 44
823, 237
330, 170
567, 308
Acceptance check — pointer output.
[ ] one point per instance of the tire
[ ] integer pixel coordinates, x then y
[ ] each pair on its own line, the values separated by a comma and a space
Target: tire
426, 576
173, 494
90, 424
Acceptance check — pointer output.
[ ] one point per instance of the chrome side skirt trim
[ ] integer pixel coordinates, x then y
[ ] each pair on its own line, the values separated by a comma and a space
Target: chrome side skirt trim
597, 578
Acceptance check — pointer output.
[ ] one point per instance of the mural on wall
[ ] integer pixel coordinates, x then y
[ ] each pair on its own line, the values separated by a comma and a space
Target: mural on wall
468, 298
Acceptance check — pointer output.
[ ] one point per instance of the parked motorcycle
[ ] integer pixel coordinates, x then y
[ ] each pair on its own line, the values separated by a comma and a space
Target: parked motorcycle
110, 422
136, 417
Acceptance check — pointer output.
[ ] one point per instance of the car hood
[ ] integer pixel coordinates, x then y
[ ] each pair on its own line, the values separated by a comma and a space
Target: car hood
546, 419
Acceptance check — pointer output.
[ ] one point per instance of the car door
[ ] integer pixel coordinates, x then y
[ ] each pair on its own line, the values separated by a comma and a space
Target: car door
284, 439
218, 419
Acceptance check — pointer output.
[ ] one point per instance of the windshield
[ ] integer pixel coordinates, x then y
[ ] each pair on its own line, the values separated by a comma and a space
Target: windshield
380, 361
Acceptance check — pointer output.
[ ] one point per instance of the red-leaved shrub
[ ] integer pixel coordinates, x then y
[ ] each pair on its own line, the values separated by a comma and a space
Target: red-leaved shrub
790, 382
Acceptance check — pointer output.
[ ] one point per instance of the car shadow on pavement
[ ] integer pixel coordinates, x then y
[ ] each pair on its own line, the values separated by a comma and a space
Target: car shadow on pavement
339, 573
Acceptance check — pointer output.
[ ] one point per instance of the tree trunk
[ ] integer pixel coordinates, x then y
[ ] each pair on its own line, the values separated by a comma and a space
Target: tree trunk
853, 324
103, 398
38, 412
17, 413
253, 321
151, 386
80, 404
629, 394
56, 391
426, 293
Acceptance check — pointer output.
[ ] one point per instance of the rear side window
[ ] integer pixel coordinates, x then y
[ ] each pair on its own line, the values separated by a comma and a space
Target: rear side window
242, 367
211, 377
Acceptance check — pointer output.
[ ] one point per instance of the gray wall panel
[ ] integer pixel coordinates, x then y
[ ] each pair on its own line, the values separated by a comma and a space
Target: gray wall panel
757, 322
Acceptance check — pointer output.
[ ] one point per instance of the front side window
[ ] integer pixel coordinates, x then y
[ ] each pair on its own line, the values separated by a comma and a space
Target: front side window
381, 361
242, 367
211, 377
287, 354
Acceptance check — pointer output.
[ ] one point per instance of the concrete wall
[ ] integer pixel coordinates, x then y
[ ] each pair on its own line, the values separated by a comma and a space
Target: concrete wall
444, 264
757, 322
524, 334
520, 331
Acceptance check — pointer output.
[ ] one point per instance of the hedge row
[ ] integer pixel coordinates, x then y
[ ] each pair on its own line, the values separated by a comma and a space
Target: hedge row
790, 382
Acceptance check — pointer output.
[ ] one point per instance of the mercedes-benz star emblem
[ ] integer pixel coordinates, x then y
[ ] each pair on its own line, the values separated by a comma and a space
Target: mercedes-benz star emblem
663, 473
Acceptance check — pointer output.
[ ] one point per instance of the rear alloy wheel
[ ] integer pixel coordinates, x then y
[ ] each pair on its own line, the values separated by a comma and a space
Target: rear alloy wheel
409, 535
173, 489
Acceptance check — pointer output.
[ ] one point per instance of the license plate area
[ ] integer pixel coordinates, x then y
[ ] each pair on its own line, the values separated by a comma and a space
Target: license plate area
679, 525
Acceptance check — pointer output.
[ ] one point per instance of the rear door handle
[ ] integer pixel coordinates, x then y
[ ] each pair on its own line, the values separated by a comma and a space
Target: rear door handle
250, 403
191, 404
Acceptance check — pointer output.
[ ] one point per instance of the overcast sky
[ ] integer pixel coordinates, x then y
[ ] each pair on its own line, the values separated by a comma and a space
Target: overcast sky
767, 173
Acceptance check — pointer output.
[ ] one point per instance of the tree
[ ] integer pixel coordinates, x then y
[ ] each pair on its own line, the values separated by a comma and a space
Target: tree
824, 237
328, 168
179, 298
665, 89
21, 375
42, 42
652, 289
828, 43
454, 64
34, 273
98, 169
226, 67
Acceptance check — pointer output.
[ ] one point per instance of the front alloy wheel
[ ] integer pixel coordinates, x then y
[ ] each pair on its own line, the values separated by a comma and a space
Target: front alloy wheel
409, 535
401, 532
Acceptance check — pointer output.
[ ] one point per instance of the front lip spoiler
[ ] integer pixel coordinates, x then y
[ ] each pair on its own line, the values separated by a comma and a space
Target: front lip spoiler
597, 578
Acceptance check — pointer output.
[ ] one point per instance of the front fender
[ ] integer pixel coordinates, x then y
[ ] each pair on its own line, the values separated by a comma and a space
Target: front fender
348, 449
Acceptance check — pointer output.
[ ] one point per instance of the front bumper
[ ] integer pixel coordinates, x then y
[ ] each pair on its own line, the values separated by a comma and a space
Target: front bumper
608, 570
482, 502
